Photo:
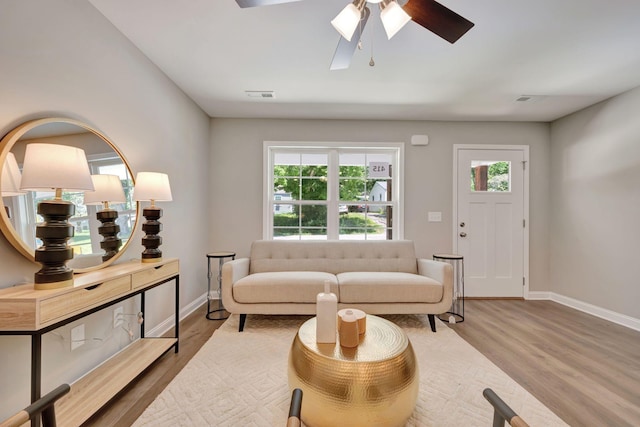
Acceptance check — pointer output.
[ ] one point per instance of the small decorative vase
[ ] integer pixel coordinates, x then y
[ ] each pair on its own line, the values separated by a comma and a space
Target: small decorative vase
326, 315
349, 336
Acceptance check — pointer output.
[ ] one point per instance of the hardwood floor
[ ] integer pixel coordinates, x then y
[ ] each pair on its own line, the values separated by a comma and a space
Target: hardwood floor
585, 369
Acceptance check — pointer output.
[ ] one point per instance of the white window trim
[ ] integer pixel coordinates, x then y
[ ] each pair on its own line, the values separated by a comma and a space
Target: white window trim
397, 175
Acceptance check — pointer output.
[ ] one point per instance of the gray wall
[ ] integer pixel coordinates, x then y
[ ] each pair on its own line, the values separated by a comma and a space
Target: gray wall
595, 199
63, 58
236, 176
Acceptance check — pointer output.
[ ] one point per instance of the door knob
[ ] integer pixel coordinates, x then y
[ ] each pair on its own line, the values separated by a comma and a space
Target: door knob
463, 234
462, 224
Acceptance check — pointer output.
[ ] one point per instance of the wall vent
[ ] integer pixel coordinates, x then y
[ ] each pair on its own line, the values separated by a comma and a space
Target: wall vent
530, 98
266, 94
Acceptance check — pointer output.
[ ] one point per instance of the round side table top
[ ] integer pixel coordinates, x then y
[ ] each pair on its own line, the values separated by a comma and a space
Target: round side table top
383, 340
221, 254
448, 256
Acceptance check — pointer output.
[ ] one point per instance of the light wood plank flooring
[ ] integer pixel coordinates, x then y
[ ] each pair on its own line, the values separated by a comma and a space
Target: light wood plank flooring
585, 369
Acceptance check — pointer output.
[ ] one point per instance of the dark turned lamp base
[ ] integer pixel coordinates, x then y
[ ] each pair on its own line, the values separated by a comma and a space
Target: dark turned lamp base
109, 231
54, 253
151, 241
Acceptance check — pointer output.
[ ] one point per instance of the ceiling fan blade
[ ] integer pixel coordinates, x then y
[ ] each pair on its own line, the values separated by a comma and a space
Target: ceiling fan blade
253, 3
438, 19
344, 52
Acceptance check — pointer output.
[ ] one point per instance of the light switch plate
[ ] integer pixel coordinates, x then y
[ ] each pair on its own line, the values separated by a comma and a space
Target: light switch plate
435, 216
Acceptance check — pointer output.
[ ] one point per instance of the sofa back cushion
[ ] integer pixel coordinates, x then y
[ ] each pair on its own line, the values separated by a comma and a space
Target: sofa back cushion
333, 256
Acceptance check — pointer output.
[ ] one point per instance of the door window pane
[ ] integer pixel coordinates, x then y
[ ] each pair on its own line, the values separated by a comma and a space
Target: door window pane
492, 176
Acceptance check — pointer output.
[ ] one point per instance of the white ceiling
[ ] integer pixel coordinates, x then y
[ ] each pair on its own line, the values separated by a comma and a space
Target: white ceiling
569, 54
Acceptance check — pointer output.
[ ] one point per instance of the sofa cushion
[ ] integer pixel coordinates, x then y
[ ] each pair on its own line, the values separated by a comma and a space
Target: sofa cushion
283, 287
388, 287
335, 257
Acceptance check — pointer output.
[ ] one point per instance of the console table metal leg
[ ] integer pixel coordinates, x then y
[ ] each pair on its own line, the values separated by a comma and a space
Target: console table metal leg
143, 314
177, 280
36, 373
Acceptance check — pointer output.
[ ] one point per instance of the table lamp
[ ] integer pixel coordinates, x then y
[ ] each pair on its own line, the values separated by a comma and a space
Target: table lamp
55, 167
108, 188
153, 187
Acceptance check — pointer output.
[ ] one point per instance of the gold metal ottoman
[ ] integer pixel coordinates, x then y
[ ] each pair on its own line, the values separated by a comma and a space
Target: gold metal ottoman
372, 385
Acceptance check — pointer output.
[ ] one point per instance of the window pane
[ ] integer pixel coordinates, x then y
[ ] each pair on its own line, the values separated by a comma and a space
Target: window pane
286, 215
353, 189
286, 170
315, 171
493, 176
314, 189
283, 208
379, 191
286, 189
313, 234
348, 159
286, 233
314, 159
314, 216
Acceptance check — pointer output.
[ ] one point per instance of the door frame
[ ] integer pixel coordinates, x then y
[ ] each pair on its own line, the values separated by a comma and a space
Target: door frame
525, 205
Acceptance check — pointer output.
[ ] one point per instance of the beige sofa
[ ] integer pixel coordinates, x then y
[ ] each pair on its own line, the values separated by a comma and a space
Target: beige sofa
378, 277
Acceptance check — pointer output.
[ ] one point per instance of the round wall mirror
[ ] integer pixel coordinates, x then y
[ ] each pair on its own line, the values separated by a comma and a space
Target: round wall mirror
18, 217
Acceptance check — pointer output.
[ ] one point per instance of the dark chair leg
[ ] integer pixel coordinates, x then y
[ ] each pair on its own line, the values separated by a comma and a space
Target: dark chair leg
243, 317
432, 321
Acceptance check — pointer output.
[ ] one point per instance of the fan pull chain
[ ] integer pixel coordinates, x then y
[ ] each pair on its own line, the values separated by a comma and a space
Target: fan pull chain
360, 37
371, 61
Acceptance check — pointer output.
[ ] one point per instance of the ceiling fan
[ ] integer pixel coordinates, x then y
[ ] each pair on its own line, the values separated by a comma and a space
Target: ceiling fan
350, 23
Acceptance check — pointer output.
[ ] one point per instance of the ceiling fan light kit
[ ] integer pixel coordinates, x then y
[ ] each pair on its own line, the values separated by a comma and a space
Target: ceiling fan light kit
393, 17
351, 21
347, 20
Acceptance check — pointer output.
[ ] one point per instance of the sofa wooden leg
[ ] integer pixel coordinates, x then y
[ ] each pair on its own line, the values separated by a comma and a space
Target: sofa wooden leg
432, 321
243, 317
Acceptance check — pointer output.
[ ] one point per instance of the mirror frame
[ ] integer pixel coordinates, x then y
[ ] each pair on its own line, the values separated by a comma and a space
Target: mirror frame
7, 143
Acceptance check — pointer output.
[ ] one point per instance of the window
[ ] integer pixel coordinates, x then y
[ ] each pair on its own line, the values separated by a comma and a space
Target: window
333, 191
492, 176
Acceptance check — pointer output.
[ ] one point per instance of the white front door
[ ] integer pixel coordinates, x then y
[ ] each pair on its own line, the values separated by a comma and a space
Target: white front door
490, 219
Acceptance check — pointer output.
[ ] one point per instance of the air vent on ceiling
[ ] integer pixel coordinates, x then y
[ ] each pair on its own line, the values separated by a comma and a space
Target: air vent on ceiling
529, 98
266, 94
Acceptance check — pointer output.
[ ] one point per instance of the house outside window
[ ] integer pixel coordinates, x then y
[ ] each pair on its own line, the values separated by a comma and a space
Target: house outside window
331, 191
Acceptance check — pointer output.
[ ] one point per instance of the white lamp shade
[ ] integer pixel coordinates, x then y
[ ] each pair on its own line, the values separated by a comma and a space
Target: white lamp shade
52, 166
393, 18
10, 179
152, 186
347, 21
108, 188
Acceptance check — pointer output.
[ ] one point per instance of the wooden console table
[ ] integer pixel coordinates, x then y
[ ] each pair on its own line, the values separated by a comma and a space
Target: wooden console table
26, 311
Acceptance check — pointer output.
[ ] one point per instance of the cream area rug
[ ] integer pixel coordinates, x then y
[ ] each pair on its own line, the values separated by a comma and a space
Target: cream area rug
240, 379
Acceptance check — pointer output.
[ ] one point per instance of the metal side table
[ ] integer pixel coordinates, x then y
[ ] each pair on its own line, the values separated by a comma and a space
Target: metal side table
219, 309
456, 312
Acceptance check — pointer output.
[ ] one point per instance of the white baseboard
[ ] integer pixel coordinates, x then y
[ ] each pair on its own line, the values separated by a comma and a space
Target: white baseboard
603, 313
169, 322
